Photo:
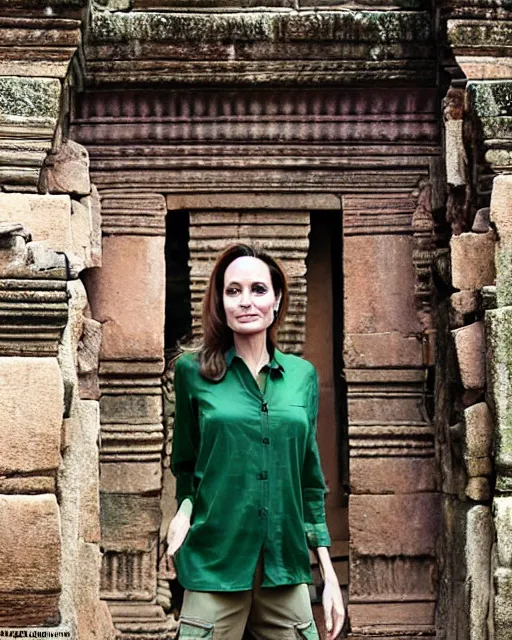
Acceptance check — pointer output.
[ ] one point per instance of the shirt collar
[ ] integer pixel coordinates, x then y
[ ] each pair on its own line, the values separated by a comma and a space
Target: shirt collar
275, 364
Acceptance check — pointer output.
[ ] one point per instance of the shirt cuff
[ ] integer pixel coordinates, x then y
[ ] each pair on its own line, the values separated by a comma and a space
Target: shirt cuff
317, 535
186, 507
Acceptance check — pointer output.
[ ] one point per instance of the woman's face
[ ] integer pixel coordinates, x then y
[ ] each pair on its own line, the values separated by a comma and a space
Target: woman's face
248, 296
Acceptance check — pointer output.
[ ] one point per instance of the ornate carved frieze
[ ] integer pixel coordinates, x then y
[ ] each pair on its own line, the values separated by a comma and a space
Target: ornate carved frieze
33, 295
283, 235
37, 42
265, 140
423, 257
306, 47
125, 213
377, 213
37, 46
265, 116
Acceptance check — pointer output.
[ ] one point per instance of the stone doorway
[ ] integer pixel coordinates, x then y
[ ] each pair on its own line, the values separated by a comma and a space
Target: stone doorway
154, 153
310, 245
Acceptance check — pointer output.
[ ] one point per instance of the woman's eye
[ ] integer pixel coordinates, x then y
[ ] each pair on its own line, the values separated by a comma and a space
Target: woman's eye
232, 291
260, 289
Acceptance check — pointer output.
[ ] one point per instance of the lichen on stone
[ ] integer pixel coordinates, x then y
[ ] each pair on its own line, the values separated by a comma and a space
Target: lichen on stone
34, 98
380, 27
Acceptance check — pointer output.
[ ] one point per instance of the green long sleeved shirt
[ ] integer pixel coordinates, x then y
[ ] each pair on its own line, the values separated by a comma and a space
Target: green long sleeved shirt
248, 460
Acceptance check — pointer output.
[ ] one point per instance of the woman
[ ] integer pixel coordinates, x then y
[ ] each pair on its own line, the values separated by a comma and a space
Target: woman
250, 488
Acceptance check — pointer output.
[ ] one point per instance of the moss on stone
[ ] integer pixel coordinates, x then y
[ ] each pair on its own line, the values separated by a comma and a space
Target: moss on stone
35, 98
499, 158
504, 276
354, 26
499, 347
491, 98
484, 33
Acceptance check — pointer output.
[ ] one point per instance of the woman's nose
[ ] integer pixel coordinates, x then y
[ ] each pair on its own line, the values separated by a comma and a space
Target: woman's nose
245, 300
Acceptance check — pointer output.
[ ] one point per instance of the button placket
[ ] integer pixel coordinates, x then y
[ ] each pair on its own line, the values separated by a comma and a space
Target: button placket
263, 474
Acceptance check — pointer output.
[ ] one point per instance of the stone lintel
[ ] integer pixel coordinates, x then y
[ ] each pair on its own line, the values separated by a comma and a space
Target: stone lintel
380, 27
480, 37
301, 47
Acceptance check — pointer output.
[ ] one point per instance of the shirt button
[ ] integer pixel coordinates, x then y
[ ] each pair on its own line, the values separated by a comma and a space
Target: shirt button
265, 440
263, 513
263, 475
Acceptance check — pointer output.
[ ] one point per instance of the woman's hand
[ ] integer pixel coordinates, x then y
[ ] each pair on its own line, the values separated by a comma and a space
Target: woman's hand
178, 530
334, 609
332, 600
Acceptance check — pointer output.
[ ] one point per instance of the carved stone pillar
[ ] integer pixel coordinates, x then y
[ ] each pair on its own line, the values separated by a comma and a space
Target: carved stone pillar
284, 235
393, 510
33, 314
127, 296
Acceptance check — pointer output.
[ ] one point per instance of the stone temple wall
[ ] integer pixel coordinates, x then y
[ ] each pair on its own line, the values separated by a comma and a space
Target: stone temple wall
49, 344
114, 114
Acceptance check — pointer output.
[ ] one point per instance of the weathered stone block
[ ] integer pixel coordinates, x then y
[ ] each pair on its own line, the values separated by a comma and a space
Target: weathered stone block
478, 489
67, 171
127, 296
481, 223
81, 227
135, 407
464, 302
478, 466
455, 153
48, 218
404, 475
30, 560
31, 401
501, 208
29, 98
470, 348
479, 429
93, 618
129, 522
479, 540
380, 304
88, 360
472, 257
499, 347
131, 477
88, 465
502, 506
95, 202
373, 519
502, 609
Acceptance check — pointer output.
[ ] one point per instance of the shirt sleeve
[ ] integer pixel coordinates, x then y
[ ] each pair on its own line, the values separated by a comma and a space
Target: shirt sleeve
313, 483
185, 443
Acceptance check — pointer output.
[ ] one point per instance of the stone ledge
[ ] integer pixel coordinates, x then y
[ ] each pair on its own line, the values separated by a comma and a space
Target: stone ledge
338, 26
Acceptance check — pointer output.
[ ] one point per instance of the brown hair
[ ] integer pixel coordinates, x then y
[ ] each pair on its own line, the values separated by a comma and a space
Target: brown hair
217, 336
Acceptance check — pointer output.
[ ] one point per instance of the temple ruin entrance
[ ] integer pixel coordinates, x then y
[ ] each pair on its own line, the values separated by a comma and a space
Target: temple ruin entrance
268, 158
309, 243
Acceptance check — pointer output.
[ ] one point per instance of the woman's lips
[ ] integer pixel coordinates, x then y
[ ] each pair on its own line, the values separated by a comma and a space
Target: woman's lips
247, 317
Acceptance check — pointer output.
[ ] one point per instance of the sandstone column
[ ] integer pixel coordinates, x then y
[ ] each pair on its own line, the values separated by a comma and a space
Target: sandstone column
127, 296
394, 507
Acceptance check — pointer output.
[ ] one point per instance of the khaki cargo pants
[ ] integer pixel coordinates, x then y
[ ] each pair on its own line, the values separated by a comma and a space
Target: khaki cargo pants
276, 613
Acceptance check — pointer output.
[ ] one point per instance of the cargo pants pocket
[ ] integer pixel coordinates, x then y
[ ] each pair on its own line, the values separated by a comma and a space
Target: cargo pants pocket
194, 629
307, 631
